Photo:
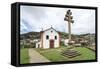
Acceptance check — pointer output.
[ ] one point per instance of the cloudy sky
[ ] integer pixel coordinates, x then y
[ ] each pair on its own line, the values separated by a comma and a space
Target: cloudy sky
35, 18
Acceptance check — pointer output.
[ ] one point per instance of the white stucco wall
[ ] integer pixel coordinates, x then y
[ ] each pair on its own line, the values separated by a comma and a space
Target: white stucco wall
46, 42
38, 43
66, 41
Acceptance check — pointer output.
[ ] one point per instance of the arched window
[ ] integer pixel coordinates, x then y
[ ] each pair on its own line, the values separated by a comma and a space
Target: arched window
47, 37
51, 31
55, 37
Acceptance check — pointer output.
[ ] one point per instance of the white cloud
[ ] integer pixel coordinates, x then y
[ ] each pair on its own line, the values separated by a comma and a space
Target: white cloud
43, 17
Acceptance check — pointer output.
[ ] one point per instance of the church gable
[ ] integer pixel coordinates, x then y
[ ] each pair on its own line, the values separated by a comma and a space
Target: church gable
51, 34
50, 38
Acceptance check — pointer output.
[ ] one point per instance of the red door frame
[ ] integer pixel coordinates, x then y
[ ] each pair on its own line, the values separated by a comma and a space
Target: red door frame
51, 43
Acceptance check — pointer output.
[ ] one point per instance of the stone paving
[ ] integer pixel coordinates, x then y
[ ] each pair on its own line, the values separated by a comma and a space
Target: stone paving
35, 57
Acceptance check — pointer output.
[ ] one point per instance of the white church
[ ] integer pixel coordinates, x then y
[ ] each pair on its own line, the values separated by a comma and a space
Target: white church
50, 38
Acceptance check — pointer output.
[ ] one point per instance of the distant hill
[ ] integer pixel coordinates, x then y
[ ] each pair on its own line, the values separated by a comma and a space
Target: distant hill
30, 35
36, 35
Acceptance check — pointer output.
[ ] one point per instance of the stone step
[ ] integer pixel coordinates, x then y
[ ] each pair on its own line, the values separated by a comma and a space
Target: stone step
70, 53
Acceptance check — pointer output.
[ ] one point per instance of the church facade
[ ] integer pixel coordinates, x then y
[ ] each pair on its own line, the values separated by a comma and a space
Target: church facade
50, 38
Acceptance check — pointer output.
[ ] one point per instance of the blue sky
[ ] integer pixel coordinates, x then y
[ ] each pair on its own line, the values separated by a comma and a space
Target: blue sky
35, 18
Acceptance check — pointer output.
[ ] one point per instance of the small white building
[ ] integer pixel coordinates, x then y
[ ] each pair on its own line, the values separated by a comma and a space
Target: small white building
66, 41
49, 39
38, 45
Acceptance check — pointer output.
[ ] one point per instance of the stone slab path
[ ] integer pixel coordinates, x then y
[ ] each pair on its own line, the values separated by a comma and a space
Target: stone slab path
35, 57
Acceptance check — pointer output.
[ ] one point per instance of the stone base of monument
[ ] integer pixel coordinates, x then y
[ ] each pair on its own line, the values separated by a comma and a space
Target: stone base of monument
70, 53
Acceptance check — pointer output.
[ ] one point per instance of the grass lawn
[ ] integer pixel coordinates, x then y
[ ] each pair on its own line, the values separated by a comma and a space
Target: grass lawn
55, 54
24, 57
86, 54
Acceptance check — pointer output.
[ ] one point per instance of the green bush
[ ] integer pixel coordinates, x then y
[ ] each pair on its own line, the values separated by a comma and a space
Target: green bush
26, 46
29, 45
70, 43
84, 44
21, 46
62, 44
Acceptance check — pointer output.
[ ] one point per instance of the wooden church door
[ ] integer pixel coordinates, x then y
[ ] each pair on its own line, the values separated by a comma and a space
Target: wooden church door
51, 43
